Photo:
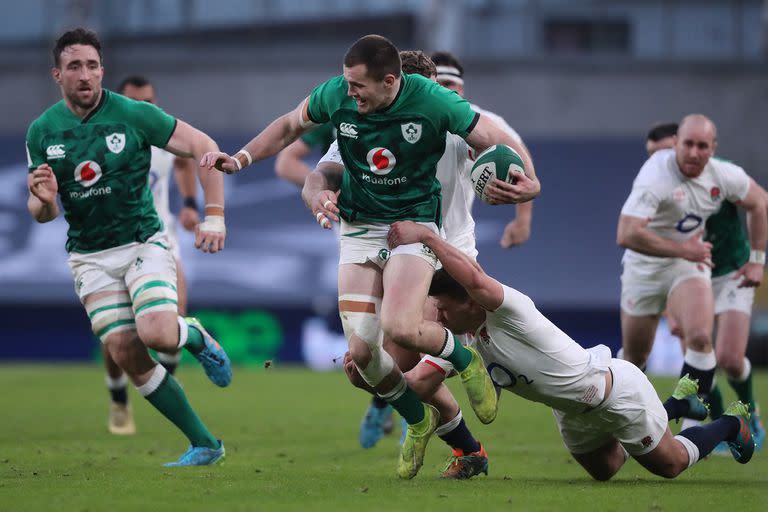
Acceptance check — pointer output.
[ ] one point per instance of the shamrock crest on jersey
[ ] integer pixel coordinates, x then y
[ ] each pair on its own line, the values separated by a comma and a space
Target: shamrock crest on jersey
411, 132
115, 142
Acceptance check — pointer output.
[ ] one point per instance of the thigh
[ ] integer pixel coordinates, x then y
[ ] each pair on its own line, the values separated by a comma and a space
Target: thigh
406, 281
638, 334
109, 311
668, 458
643, 289
151, 279
691, 305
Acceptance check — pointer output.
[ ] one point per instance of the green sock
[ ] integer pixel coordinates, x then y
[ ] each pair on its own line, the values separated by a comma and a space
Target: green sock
715, 401
170, 400
744, 391
454, 352
195, 341
405, 402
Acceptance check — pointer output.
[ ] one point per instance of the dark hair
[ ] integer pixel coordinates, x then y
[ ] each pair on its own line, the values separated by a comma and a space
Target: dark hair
444, 284
415, 61
380, 56
134, 80
447, 59
661, 131
76, 36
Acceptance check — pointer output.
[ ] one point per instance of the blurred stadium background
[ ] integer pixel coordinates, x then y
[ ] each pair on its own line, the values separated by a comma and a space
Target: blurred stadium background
580, 80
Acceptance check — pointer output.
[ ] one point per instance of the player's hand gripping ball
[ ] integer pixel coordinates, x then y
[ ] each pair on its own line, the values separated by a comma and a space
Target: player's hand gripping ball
499, 161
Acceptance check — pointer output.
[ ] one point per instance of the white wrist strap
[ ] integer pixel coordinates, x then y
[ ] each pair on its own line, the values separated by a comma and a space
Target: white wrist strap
247, 155
756, 256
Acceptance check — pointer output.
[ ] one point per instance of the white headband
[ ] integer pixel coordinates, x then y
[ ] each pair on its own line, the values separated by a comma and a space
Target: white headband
449, 74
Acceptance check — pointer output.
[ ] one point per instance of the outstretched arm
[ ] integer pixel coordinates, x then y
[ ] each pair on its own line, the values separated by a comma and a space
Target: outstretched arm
484, 289
278, 135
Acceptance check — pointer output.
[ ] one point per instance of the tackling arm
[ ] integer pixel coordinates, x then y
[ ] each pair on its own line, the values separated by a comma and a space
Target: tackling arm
484, 289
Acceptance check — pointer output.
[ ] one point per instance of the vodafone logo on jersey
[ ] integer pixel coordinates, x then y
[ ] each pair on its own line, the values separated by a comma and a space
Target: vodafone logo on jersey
381, 161
87, 173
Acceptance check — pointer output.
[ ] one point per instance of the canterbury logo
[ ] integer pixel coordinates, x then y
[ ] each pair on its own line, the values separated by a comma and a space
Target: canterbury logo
348, 130
55, 151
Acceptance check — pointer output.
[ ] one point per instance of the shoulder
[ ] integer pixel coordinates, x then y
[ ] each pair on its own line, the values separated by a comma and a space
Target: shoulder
723, 166
656, 171
48, 117
498, 121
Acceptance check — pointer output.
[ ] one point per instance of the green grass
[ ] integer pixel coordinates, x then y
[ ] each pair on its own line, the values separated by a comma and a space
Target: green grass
291, 438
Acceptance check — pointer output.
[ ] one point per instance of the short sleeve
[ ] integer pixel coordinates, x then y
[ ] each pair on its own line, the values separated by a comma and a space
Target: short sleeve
454, 112
735, 183
325, 98
332, 155
154, 122
642, 202
35, 154
517, 312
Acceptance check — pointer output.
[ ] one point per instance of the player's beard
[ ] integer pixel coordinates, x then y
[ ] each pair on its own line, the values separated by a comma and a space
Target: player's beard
86, 104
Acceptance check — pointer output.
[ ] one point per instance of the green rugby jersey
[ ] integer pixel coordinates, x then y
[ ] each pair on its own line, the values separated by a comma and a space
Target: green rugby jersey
321, 137
391, 155
102, 165
730, 244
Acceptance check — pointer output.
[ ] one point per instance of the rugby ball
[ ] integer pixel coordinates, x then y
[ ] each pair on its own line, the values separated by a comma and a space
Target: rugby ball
499, 161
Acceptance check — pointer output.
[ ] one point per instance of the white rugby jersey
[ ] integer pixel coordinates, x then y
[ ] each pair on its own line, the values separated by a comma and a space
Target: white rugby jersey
160, 171
529, 355
453, 174
677, 205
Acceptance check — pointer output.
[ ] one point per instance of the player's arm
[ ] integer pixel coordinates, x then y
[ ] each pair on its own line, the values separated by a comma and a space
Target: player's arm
633, 233
43, 188
321, 191
278, 135
290, 164
484, 289
757, 227
184, 173
187, 141
485, 134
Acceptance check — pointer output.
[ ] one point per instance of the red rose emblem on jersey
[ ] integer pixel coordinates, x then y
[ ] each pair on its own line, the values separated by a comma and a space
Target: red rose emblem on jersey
87, 173
646, 441
714, 193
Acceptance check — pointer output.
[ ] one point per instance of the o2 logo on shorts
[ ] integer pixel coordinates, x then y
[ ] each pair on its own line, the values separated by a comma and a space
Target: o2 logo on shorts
504, 377
381, 161
689, 223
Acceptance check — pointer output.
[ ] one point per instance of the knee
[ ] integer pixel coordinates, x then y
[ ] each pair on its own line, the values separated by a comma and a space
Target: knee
698, 339
121, 346
159, 331
602, 475
399, 331
731, 363
669, 470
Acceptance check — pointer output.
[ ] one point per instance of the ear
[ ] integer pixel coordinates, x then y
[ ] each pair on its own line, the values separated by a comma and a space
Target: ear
56, 74
389, 80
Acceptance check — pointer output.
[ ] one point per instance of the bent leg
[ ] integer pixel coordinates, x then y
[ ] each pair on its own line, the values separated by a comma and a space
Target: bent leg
604, 462
637, 336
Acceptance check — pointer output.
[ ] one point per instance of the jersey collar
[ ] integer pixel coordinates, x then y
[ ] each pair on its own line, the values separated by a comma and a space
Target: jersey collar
397, 97
102, 100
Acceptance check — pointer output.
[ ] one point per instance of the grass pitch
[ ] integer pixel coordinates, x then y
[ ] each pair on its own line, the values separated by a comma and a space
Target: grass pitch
291, 439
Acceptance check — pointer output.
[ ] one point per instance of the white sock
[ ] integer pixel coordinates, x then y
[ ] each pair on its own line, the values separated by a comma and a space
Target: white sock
745, 372
700, 360
396, 392
183, 331
449, 345
120, 382
444, 429
692, 449
154, 381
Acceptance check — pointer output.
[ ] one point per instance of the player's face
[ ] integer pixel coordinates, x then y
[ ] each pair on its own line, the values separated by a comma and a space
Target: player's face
370, 95
694, 145
143, 93
450, 84
79, 75
653, 146
460, 316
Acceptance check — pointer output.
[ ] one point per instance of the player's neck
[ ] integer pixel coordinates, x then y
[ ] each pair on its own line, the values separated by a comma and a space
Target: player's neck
393, 96
80, 111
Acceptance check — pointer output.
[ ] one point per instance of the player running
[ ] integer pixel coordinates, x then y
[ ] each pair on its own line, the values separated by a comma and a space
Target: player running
92, 149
